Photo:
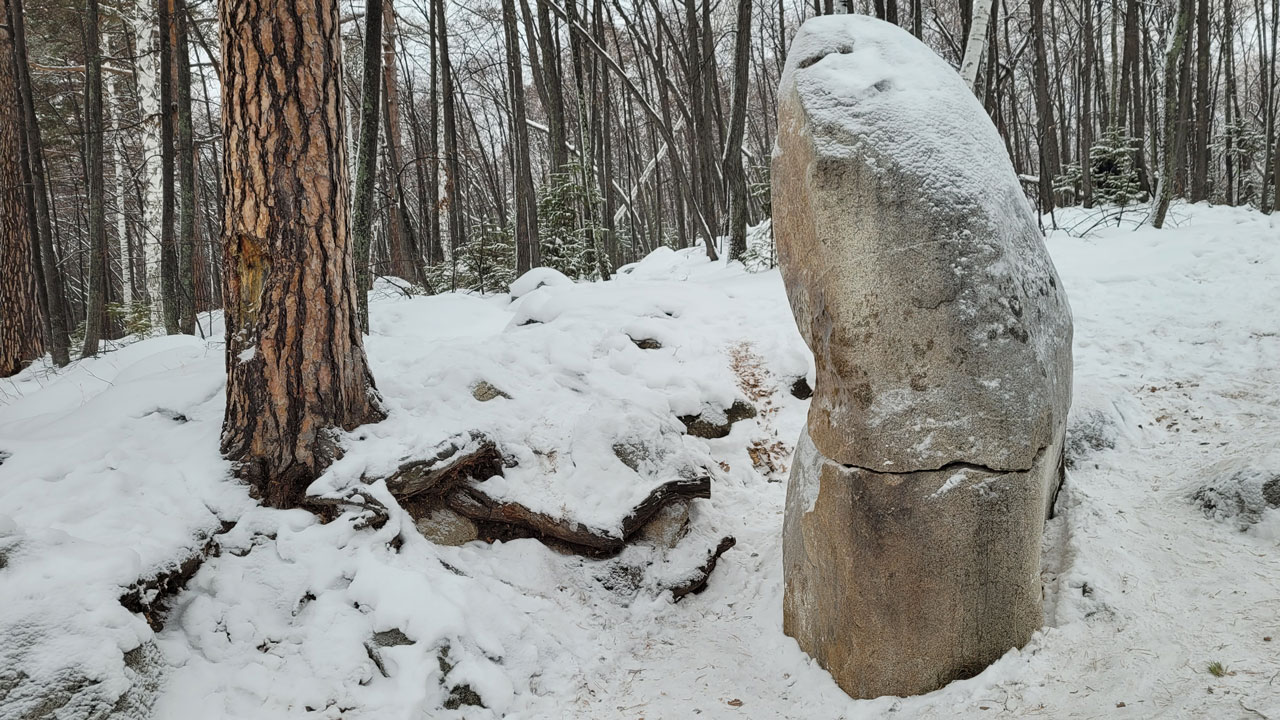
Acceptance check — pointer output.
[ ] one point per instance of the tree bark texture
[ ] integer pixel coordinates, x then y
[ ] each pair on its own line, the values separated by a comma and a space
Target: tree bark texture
186, 174
367, 157
402, 242
737, 175
526, 230
1049, 158
59, 341
168, 238
20, 340
96, 301
296, 367
1175, 61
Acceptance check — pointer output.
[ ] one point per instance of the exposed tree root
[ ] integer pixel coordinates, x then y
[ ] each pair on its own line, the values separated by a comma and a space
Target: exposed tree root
462, 457
698, 581
444, 481
150, 596
593, 541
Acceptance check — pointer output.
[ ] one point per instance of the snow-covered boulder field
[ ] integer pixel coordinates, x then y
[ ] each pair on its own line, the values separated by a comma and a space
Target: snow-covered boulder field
110, 475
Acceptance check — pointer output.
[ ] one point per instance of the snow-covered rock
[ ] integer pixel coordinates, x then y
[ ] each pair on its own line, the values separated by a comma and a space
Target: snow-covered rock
942, 340
536, 278
912, 260
1242, 489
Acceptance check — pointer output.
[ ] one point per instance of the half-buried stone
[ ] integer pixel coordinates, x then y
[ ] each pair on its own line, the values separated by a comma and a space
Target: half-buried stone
942, 341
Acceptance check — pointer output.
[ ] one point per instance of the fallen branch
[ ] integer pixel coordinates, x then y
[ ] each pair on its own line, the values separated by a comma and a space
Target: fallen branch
77, 69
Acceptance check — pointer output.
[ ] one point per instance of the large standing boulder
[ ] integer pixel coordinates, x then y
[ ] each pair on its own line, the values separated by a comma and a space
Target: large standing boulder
942, 342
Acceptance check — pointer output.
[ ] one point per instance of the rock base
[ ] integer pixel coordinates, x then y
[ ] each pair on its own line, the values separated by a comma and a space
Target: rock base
899, 583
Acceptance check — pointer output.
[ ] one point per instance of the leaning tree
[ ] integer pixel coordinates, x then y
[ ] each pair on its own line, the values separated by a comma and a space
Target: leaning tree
296, 367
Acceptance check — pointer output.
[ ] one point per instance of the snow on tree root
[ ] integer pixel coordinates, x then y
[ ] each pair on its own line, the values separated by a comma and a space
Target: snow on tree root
446, 480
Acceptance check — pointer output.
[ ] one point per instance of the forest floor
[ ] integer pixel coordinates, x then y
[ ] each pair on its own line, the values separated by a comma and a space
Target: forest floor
109, 470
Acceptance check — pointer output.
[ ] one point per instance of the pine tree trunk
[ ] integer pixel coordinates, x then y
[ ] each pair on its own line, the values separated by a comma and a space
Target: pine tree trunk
20, 340
186, 174
367, 157
95, 325
296, 367
59, 341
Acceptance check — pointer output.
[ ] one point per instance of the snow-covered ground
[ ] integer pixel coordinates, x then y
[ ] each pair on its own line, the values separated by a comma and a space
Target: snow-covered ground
111, 470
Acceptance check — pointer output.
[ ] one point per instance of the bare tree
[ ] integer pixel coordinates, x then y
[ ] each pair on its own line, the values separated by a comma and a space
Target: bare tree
96, 301
367, 158
526, 214
1175, 63
737, 175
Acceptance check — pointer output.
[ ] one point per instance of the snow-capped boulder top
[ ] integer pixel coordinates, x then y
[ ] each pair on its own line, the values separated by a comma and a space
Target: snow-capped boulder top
873, 92
536, 278
913, 263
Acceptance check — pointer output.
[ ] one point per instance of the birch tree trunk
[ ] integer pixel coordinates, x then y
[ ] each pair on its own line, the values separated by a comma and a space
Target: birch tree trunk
976, 47
296, 367
1203, 108
115, 93
147, 77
